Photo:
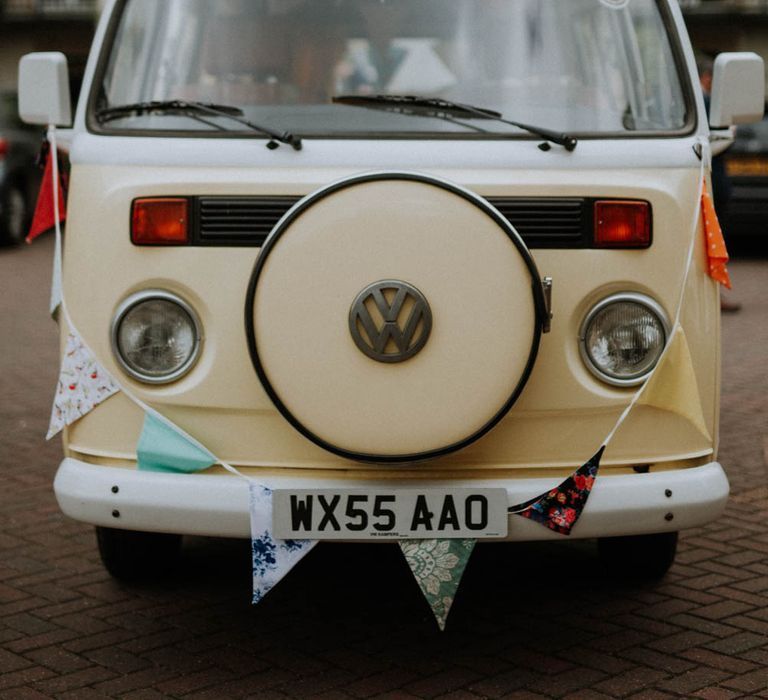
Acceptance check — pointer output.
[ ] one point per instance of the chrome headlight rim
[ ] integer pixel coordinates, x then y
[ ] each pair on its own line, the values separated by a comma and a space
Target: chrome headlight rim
634, 297
152, 295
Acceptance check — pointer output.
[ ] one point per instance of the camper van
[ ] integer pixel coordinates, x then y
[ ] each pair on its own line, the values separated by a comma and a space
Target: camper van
385, 252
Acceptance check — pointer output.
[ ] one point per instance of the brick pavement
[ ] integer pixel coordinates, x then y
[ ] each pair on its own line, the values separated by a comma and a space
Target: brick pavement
350, 623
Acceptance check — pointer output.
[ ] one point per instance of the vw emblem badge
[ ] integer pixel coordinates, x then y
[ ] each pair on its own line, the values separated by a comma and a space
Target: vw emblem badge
390, 321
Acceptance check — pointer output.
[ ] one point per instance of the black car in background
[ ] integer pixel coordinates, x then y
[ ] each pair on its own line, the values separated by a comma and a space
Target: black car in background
746, 164
19, 174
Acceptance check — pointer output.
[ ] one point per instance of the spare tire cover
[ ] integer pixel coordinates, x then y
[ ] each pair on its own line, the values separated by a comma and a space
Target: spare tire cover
394, 317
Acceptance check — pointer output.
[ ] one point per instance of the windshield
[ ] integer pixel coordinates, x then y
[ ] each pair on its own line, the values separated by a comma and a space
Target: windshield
582, 66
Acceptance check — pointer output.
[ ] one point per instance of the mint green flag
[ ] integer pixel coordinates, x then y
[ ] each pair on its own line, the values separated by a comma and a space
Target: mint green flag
438, 566
165, 448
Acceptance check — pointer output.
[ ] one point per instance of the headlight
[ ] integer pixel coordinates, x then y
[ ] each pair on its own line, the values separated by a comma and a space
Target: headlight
623, 337
156, 337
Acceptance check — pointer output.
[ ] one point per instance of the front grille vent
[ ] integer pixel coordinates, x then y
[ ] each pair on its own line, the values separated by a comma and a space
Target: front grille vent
239, 220
546, 222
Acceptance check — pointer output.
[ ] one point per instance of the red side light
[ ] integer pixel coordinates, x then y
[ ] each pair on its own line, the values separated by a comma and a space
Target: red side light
160, 221
622, 224
4, 147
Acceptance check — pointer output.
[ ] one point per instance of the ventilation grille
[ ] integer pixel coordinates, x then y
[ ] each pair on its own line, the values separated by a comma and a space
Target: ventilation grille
547, 222
552, 222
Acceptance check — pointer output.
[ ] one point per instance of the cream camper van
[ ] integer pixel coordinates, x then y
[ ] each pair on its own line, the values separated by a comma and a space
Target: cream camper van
366, 249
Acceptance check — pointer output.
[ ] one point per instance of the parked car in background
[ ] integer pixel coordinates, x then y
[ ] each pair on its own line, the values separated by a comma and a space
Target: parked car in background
19, 174
746, 164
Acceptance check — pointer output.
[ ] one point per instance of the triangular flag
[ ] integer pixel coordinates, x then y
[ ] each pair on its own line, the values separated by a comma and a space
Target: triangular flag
717, 254
673, 386
561, 508
83, 384
165, 448
272, 558
438, 566
45, 216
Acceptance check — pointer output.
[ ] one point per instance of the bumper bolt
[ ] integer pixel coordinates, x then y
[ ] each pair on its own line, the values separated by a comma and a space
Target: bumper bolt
115, 513
669, 517
115, 489
668, 493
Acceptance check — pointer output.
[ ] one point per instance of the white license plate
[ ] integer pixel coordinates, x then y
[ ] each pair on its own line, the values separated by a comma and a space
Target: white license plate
395, 513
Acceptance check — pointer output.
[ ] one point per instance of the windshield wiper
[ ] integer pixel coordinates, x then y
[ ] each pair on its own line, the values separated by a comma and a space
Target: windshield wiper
195, 109
445, 109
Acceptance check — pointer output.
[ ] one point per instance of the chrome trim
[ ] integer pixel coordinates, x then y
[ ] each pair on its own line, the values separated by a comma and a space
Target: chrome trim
377, 336
636, 298
148, 295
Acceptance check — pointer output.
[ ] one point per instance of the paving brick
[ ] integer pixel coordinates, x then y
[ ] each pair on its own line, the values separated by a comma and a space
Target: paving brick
567, 682
749, 682
704, 626
379, 683
502, 684
25, 694
739, 643
61, 683
12, 662
664, 662
631, 681
680, 641
691, 681
725, 662
721, 611
716, 694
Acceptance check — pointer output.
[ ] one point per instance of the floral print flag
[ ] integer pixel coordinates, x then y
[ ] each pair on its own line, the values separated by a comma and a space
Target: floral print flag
561, 508
272, 558
438, 566
83, 384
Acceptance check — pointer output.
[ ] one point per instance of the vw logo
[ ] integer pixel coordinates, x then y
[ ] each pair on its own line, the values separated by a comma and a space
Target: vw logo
390, 321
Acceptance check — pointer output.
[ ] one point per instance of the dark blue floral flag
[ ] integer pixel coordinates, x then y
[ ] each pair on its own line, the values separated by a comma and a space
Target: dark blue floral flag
561, 508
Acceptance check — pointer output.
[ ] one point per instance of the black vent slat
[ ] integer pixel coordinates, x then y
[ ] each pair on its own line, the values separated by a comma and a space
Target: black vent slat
557, 222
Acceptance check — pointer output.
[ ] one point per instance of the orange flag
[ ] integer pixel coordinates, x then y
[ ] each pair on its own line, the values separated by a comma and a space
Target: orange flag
717, 255
44, 218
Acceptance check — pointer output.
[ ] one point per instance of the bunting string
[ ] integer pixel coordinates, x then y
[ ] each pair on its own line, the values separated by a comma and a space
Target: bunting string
437, 565
560, 508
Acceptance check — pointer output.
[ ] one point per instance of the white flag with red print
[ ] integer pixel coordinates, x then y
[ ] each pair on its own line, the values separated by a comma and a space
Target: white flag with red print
83, 384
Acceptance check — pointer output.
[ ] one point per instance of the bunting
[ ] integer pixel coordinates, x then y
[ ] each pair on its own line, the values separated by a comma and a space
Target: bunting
717, 253
272, 558
673, 386
44, 218
561, 508
438, 567
163, 447
83, 384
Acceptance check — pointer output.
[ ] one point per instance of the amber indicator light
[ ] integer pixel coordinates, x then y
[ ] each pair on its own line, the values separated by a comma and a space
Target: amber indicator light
622, 224
160, 221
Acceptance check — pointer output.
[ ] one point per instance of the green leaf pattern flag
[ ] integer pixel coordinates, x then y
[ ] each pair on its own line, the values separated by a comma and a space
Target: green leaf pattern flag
165, 448
438, 566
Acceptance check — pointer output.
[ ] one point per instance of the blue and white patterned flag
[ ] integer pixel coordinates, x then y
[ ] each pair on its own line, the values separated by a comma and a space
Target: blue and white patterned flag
272, 558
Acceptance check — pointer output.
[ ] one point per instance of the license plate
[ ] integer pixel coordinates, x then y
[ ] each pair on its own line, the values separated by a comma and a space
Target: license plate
747, 167
395, 514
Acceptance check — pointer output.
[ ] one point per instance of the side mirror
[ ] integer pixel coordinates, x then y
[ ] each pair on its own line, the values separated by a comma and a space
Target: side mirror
44, 89
738, 90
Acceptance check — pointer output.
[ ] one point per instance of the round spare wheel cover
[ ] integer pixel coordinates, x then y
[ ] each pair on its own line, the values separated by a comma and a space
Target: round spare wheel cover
441, 280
